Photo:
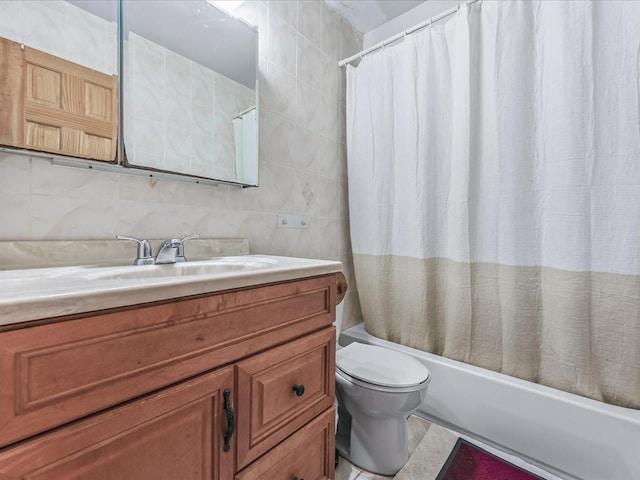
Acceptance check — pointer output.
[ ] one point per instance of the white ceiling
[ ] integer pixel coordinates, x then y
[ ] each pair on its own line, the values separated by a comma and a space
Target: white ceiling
365, 15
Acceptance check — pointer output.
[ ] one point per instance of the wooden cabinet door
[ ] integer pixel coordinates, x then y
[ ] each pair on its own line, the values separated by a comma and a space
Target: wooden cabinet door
282, 389
175, 434
308, 454
53, 105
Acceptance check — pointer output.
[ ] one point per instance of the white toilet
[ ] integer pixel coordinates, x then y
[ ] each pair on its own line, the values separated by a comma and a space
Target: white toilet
376, 389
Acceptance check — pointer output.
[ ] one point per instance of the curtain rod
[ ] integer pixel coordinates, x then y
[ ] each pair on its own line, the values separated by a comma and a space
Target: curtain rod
244, 112
400, 35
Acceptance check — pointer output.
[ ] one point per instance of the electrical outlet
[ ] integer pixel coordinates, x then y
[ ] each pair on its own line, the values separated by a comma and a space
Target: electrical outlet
293, 221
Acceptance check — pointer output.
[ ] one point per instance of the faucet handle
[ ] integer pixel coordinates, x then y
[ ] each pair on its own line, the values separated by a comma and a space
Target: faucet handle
190, 237
180, 256
144, 250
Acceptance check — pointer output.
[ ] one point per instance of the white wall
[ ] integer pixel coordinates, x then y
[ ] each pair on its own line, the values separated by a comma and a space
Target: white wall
408, 19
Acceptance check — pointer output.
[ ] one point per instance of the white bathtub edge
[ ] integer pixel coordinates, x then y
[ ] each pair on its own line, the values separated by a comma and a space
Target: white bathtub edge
565, 434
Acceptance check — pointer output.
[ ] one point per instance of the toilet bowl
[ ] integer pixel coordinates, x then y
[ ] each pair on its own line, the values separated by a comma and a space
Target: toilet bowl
376, 390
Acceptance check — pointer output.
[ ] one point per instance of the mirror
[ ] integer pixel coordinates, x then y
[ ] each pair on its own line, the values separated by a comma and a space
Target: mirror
189, 77
58, 77
190, 90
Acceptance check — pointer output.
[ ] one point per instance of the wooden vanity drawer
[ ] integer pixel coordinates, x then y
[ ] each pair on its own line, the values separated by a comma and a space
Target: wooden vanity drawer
54, 373
308, 454
268, 402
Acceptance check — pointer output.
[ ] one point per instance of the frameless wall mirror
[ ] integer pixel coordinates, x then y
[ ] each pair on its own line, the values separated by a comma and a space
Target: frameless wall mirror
189, 90
58, 77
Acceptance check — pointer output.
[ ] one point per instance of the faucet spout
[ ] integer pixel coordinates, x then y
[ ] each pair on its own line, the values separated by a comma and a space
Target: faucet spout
172, 250
168, 252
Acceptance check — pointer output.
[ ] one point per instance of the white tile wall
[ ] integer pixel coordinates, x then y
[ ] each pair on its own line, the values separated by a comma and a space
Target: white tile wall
61, 29
302, 160
178, 114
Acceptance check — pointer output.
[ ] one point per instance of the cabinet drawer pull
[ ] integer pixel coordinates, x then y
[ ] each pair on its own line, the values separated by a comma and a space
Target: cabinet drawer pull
230, 420
299, 389
296, 478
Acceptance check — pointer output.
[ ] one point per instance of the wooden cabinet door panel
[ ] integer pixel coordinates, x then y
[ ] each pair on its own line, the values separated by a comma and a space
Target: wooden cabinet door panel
67, 96
44, 86
268, 404
174, 434
307, 454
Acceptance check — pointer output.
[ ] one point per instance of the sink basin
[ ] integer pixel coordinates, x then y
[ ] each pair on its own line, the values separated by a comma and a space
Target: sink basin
48, 292
221, 265
175, 270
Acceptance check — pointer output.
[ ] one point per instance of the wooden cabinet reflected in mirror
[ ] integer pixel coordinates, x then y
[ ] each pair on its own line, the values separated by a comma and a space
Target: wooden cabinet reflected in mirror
58, 82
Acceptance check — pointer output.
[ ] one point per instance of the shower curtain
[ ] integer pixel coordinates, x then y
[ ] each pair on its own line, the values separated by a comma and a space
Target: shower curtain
494, 192
246, 143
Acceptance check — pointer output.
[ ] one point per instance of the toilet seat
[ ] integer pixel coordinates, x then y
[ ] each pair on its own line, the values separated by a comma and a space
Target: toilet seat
382, 369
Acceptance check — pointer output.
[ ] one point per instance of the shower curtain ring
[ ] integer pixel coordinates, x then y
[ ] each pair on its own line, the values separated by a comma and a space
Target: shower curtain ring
458, 10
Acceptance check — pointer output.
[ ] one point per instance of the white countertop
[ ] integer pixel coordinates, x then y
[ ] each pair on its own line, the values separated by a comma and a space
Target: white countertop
40, 293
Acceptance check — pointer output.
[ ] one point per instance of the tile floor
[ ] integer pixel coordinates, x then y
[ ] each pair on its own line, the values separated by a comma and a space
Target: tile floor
346, 471
417, 429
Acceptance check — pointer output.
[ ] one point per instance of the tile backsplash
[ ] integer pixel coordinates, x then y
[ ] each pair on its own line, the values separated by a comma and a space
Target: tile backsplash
302, 161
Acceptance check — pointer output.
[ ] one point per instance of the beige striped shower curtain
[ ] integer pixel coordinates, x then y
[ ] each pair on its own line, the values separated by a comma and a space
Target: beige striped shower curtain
494, 192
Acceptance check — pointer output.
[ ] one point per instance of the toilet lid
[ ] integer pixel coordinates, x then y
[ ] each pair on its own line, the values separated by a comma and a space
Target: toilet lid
381, 366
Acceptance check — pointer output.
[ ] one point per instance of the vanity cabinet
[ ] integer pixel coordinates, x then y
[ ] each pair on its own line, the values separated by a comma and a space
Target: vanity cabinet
151, 391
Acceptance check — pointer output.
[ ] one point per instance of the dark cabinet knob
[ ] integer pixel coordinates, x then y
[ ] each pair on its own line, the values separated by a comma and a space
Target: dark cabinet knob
299, 389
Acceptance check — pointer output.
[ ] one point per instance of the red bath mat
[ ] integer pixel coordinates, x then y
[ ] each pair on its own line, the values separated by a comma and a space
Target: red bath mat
468, 462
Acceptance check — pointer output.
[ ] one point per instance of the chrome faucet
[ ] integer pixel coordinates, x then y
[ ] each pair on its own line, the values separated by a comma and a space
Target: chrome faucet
171, 250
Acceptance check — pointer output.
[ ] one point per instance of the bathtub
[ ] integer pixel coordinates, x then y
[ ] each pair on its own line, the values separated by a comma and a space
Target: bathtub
566, 434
